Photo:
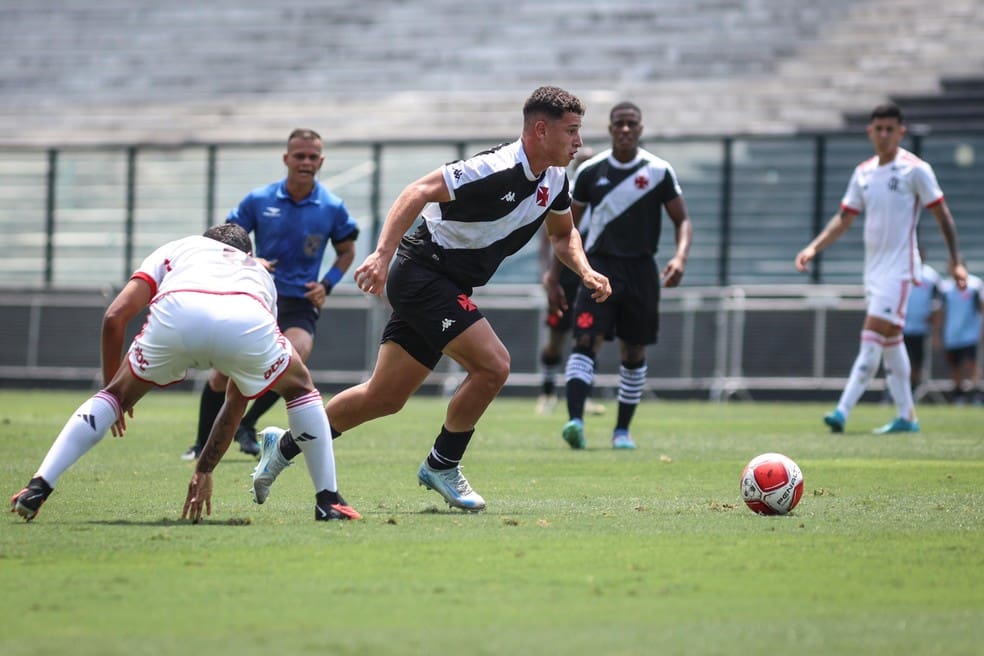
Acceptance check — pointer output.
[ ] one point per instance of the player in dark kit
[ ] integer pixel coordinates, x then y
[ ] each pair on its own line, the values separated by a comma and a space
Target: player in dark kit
476, 212
626, 189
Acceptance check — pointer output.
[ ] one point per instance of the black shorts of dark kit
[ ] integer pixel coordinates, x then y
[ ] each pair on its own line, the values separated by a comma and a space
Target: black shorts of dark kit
429, 310
631, 313
568, 282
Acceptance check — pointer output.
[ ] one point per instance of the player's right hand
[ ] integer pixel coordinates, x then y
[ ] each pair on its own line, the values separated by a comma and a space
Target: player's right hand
199, 495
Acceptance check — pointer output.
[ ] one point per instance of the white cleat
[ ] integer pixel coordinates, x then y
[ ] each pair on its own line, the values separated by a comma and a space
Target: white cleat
452, 485
272, 462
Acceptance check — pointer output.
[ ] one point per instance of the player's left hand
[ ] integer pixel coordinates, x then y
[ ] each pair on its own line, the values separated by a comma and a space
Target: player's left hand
673, 272
599, 285
199, 495
316, 293
372, 273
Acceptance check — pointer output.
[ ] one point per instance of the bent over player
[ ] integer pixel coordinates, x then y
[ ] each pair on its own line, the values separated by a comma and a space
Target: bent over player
211, 304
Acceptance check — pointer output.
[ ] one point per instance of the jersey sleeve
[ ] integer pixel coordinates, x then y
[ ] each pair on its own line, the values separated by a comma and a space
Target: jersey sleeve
345, 228
671, 185
154, 267
562, 202
927, 188
244, 214
853, 200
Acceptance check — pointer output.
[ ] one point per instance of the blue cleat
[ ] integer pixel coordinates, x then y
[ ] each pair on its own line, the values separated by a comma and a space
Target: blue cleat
835, 420
898, 425
452, 485
573, 433
621, 440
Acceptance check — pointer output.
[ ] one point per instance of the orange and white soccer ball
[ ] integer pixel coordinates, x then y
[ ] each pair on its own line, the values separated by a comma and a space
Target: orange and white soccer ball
771, 484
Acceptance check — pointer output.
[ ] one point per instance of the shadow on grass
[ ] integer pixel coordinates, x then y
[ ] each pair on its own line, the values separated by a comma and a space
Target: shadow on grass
232, 521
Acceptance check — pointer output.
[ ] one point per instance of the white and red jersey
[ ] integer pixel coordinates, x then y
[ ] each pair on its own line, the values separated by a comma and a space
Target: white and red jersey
213, 306
891, 196
204, 265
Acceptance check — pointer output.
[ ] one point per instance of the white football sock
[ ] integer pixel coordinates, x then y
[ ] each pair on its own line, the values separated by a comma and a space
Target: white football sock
897, 372
864, 369
311, 432
83, 431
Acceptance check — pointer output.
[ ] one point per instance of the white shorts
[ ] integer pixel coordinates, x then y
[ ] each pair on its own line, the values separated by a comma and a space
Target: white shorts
887, 299
233, 333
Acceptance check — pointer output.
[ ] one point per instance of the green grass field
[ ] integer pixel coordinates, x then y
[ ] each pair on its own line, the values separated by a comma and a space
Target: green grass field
594, 552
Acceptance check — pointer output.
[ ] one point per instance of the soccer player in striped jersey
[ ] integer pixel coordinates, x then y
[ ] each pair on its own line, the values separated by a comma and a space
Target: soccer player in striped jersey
625, 189
476, 212
891, 188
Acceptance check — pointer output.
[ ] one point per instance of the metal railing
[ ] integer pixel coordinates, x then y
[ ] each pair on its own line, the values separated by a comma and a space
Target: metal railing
86, 215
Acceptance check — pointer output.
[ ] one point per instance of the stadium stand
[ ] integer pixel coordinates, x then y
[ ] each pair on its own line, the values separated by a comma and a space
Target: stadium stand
144, 70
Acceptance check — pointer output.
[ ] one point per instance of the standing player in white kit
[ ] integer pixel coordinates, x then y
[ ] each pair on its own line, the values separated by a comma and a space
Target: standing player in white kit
891, 188
211, 305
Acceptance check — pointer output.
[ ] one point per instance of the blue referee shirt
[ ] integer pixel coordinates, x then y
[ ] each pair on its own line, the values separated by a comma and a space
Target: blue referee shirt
295, 234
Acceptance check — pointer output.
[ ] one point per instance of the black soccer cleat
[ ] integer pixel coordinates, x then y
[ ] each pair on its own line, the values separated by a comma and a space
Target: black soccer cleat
337, 510
27, 503
246, 436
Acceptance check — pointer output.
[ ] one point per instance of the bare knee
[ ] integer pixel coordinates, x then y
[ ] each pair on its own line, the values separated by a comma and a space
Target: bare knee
493, 371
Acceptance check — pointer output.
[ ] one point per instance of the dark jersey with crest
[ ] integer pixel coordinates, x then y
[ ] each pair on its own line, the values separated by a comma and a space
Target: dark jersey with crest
497, 205
626, 202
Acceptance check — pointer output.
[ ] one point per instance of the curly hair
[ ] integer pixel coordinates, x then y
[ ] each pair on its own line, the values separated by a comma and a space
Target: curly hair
230, 234
553, 102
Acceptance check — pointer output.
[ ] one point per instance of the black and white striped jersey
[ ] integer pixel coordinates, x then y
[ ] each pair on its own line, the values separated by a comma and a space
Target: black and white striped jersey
626, 203
497, 205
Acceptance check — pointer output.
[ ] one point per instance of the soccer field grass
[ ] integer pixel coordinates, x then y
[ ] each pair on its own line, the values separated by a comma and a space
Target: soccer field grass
580, 552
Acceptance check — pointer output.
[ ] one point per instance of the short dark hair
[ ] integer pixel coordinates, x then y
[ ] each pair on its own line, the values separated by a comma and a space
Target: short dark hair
624, 105
887, 110
230, 234
552, 101
303, 133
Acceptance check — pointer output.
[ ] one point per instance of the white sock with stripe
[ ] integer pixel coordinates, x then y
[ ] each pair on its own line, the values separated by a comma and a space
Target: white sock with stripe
81, 432
897, 372
311, 432
864, 369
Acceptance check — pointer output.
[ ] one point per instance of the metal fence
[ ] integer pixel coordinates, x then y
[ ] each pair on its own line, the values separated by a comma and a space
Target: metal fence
86, 216
76, 221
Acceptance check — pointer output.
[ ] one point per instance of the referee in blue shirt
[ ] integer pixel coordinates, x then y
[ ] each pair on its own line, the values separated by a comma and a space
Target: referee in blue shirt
292, 222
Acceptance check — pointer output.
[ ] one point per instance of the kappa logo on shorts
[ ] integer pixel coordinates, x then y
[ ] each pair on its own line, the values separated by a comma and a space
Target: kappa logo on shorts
585, 320
446, 323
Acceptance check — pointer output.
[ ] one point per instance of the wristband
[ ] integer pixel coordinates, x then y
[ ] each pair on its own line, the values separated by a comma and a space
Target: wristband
333, 276
331, 279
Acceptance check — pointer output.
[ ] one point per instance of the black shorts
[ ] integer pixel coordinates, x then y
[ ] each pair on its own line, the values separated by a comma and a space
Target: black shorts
429, 310
297, 313
568, 282
962, 354
915, 346
631, 313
